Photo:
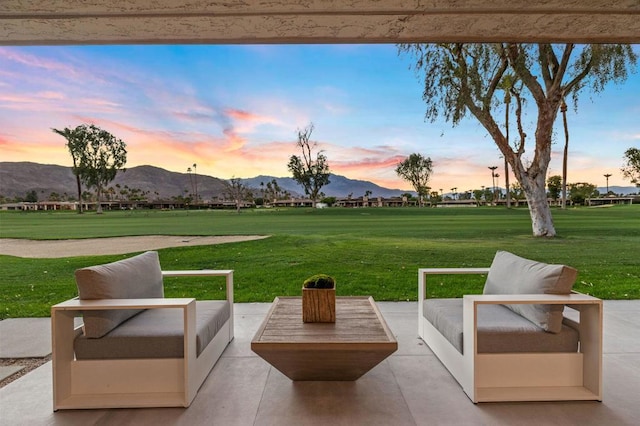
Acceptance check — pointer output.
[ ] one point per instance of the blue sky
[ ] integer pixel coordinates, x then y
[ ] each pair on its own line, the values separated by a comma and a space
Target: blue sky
234, 111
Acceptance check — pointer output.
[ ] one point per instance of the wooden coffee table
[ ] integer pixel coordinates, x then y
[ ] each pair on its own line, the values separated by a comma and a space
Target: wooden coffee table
345, 350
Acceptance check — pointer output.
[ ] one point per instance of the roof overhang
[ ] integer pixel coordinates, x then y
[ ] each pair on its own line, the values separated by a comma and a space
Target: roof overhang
78, 22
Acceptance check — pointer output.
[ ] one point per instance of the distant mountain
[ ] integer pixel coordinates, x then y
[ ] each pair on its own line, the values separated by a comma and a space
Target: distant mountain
339, 186
18, 178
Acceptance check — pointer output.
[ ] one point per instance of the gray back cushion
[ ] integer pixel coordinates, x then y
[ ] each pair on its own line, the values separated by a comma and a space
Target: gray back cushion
511, 274
138, 277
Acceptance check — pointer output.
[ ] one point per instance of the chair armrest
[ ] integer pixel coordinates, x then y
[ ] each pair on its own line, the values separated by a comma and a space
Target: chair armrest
541, 299
228, 273
423, 272
107, 304
450, 271
199, 273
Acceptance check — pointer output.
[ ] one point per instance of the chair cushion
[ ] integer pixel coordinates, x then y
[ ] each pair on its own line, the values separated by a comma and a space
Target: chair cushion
138, 277
156, 333
511, 274
500, 330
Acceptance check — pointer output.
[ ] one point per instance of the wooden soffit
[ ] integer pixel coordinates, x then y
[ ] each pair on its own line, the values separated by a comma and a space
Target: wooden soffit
60, 22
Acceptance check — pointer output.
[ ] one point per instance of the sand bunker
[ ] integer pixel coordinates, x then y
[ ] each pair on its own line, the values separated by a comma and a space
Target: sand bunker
105, 246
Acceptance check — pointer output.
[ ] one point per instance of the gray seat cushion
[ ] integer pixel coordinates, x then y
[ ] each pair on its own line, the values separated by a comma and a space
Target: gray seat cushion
155, 333
511, 274
137, 277
500, 330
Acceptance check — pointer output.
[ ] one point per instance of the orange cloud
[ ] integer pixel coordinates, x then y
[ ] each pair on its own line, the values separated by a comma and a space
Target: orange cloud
234, 141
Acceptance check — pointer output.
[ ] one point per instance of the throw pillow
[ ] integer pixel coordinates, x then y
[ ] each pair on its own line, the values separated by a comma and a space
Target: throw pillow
138, 277
511, 274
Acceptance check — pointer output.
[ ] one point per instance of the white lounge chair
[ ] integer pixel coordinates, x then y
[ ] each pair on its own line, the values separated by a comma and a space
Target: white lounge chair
513, 343
135, 347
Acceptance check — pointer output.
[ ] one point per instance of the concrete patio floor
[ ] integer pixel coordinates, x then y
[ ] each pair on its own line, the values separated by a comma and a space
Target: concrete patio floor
409, 388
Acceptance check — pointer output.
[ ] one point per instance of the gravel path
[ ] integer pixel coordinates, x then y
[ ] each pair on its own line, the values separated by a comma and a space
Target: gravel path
104, 246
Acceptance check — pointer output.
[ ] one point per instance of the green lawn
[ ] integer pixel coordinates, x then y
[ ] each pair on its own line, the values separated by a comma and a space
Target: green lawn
374, 251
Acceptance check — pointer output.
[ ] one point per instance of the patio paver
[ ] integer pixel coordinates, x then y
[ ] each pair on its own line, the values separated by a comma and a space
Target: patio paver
411, 387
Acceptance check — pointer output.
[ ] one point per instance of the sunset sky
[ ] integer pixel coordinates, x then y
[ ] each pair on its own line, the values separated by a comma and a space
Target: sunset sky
234, 111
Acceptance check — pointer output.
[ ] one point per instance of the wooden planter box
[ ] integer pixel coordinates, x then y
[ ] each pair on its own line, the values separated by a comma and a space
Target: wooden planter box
319, 305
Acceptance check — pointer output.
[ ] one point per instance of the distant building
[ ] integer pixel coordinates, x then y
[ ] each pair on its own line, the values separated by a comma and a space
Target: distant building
601, 201
40, 206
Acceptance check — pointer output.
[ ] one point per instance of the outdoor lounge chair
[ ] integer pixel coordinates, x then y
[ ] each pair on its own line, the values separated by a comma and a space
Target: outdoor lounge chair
516, 341
135, 348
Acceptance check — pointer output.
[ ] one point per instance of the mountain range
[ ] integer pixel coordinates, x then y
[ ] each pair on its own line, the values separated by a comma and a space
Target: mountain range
18, 178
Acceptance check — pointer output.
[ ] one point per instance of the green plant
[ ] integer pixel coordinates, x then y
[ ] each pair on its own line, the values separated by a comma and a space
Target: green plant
319, 281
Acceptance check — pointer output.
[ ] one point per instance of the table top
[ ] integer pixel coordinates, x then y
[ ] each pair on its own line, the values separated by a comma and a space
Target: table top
358, 320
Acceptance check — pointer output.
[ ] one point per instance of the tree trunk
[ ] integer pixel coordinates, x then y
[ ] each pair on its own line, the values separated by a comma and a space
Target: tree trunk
99, 197
506, 179
79, 194
535, 191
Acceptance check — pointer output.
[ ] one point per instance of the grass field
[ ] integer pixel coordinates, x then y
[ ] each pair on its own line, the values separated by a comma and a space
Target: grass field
374, 251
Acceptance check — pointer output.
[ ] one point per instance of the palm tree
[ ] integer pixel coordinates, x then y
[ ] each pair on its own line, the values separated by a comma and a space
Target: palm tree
195, 181
493, 181
507, 85
563, 110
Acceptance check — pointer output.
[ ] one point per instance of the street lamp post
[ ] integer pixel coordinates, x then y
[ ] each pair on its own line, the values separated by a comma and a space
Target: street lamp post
608, 175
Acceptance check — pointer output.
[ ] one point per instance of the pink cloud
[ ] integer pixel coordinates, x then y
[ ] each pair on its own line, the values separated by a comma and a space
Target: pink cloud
366, 164
242, 115
33, 61
51, 95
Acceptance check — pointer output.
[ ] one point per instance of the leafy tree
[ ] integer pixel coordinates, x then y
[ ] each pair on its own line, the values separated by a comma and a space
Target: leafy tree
76, 144
238, 192
416, 170
477, 195
516, 192
312, 174
631, 168
554, 185
464, 78
330, 201
579, 192
489, 195
102, 157
31, 196
97, 156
